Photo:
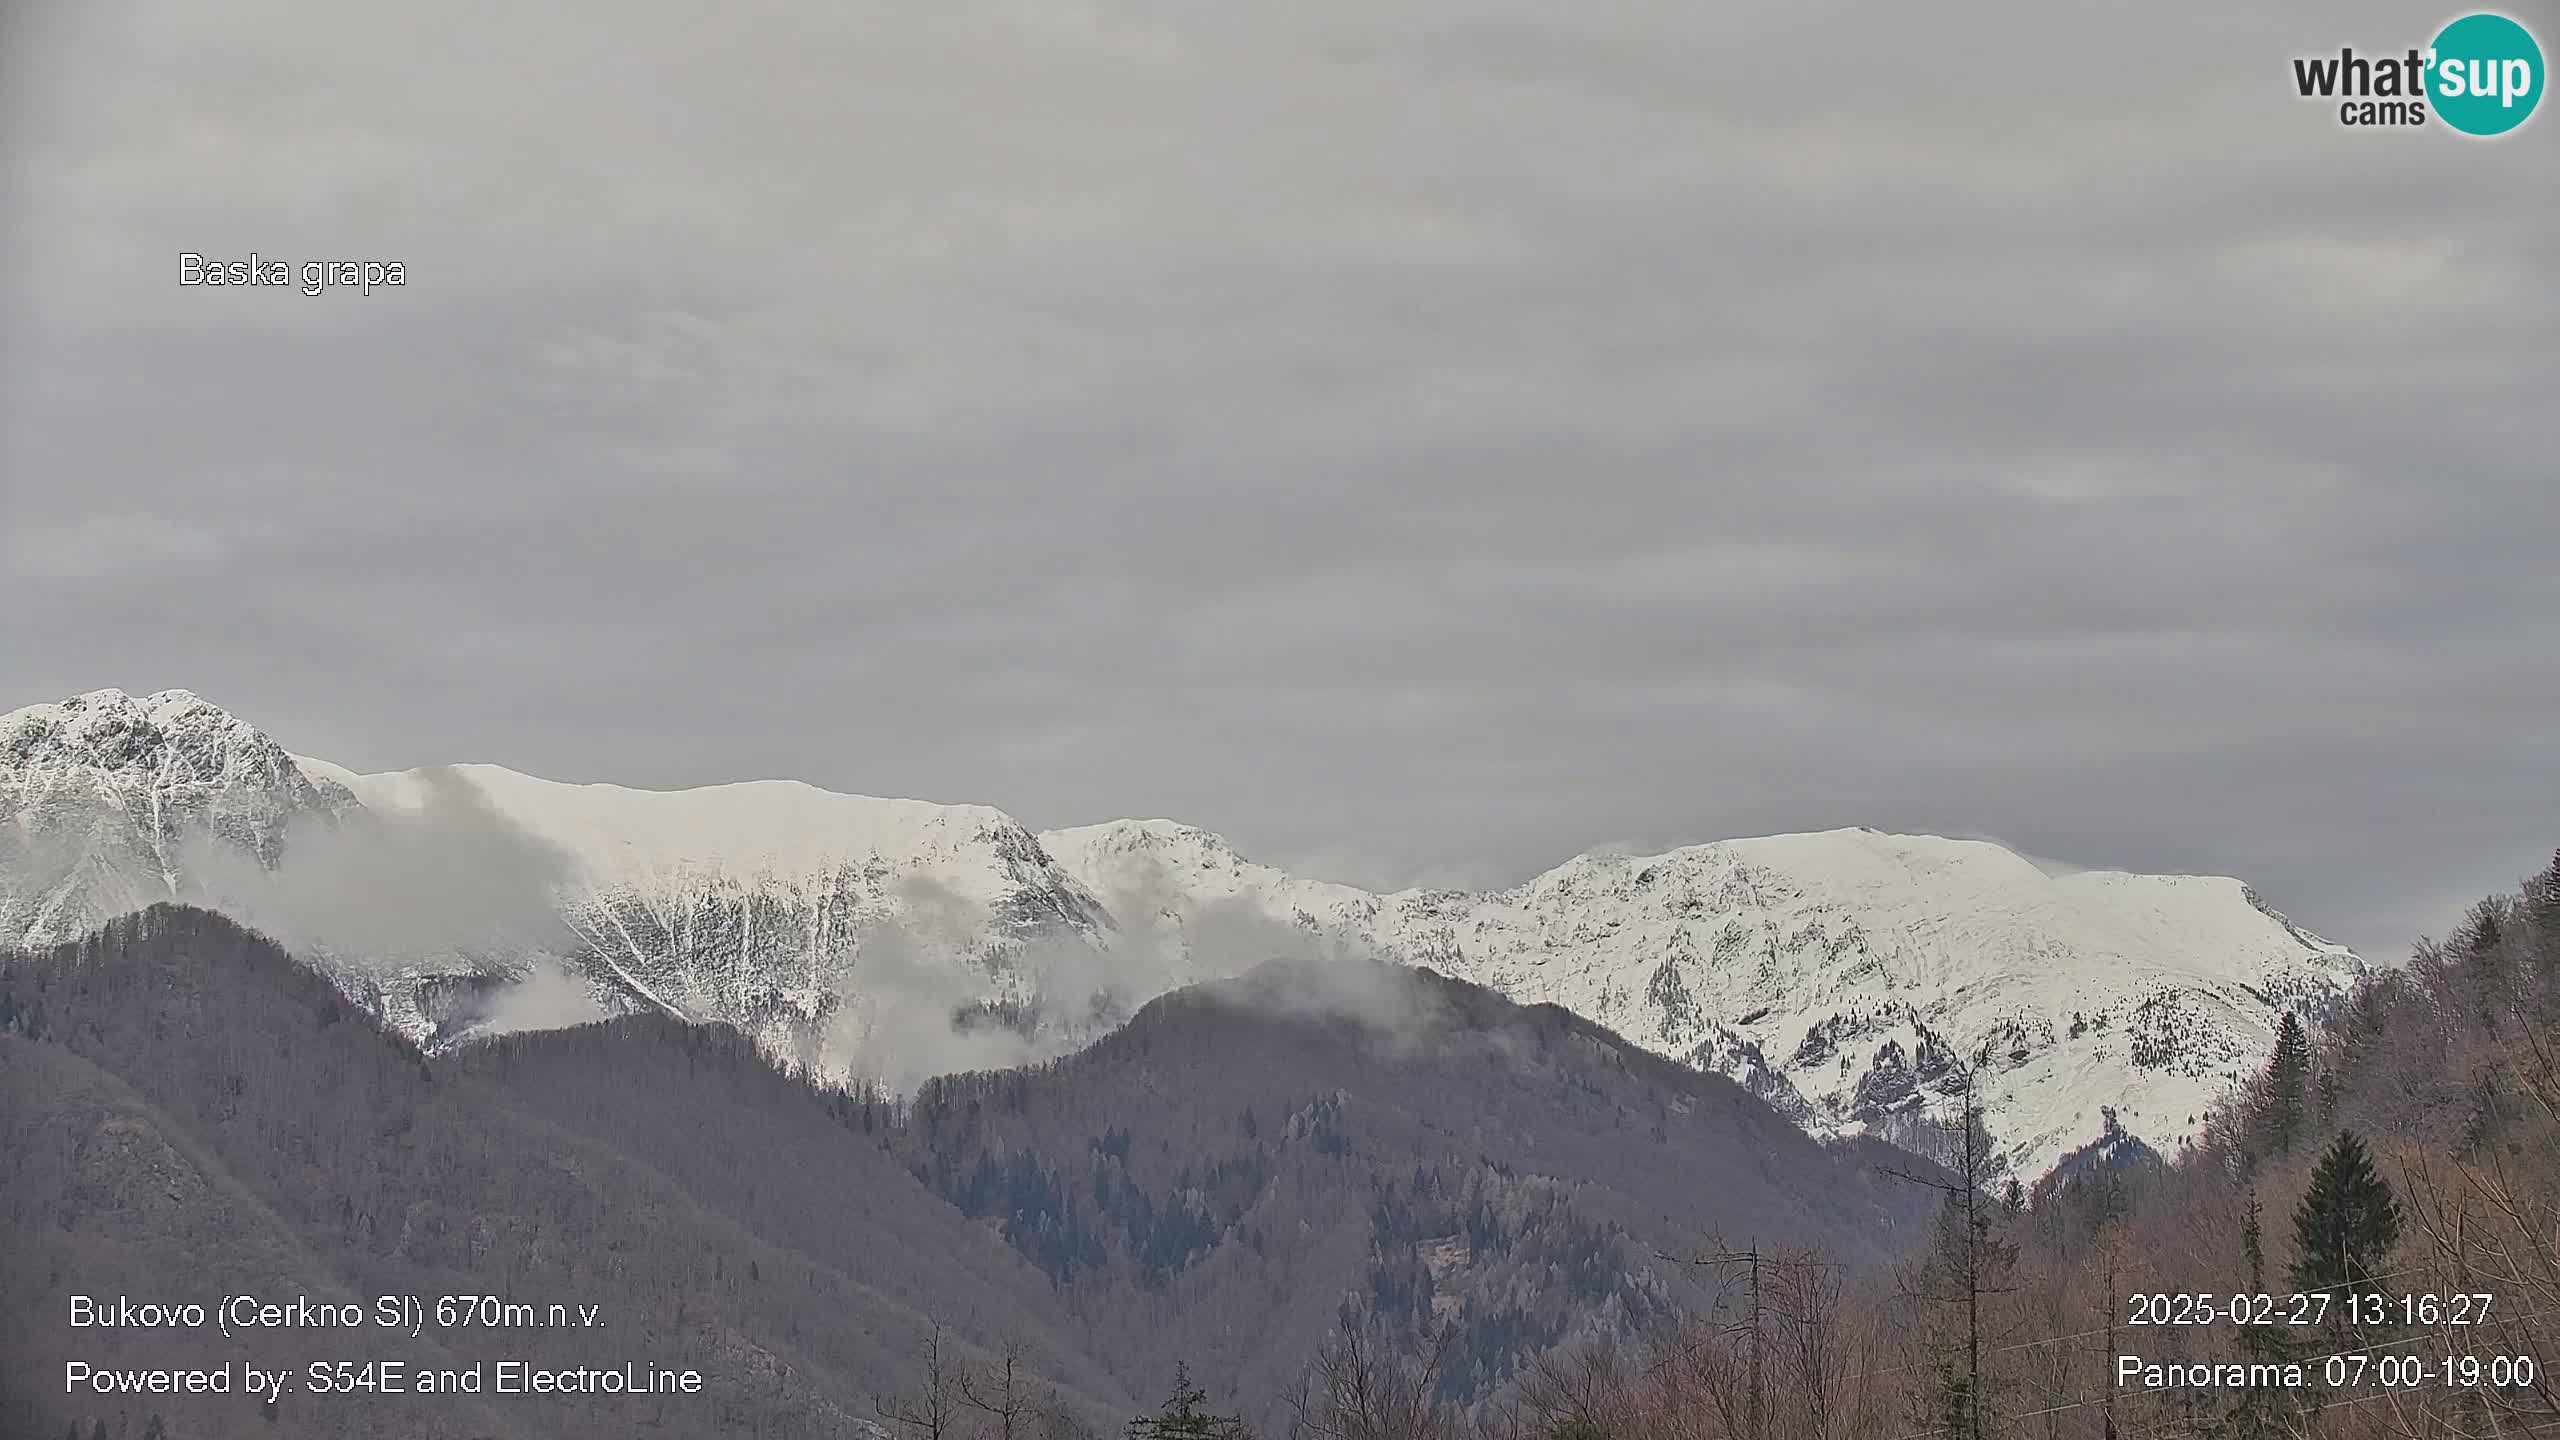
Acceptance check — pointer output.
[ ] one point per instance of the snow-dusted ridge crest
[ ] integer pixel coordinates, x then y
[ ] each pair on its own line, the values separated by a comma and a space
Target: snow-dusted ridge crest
1839, 974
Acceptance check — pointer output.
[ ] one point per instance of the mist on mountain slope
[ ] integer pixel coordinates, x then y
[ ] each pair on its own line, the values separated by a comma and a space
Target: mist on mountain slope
442, 882
446, 884
549, 996
905, 1013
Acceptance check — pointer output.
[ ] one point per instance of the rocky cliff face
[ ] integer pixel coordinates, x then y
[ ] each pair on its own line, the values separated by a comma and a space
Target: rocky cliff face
110, 802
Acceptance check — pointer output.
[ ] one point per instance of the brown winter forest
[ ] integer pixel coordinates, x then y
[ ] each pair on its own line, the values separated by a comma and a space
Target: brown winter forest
1496, 1223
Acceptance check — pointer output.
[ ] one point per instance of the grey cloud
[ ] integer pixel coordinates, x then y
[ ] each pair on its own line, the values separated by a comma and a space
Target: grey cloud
447, 884
1438, 437
1396, 1013
547, 997
907, 1012
900, 1020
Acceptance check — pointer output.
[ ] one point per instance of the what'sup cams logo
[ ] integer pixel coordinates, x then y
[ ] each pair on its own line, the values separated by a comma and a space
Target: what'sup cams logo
2481, 75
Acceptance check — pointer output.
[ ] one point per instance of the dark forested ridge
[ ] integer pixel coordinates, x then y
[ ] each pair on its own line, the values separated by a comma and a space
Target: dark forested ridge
1248, 1161
187, 1114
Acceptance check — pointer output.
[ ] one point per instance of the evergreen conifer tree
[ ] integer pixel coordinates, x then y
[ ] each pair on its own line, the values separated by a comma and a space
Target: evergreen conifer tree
1183, 1416
2288, 1085
2347, 1222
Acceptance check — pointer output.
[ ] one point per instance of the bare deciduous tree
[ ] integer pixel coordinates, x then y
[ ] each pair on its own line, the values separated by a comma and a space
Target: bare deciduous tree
1361, 1386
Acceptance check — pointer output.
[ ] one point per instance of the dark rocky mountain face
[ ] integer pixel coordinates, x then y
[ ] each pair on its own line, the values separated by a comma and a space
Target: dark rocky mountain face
193, 1115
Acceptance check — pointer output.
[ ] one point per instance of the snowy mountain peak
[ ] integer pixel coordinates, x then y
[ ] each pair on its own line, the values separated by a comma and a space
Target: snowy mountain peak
1162, 870
175, 736
1156, 834
113, 801
1843, 974
1144, 843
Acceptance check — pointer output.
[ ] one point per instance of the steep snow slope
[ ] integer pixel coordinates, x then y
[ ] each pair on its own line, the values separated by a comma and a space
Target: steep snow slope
1842, 973
110, 802
810, 917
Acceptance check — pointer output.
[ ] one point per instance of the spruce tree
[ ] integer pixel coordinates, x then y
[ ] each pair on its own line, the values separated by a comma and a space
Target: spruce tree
1183, 1417
2347, 1222
2288, 1085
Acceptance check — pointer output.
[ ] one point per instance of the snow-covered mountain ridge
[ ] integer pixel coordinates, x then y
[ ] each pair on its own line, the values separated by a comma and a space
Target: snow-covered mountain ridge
1839, 974
1842, 974
816, 919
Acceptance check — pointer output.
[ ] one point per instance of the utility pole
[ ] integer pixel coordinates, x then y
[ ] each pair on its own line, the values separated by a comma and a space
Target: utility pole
2108, 1244
1967, 1207
1757, 1432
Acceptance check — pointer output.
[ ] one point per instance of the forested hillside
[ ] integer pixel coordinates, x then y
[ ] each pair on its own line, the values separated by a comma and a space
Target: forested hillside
1247, 1163
2406, 1147
188, 1114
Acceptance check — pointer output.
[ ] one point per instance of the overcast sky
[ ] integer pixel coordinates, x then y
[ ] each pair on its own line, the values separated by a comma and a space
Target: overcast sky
1420, 439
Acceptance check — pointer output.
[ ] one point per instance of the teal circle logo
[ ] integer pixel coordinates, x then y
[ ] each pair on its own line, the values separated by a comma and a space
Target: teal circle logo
2484, 74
